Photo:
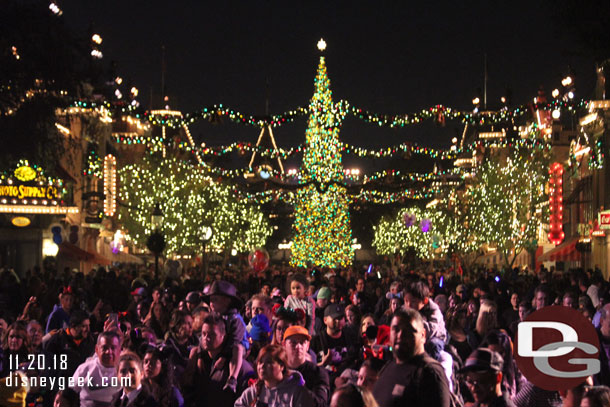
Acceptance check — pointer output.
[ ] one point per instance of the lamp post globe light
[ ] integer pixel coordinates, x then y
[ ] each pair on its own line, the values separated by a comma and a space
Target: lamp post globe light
156, 218
156, 240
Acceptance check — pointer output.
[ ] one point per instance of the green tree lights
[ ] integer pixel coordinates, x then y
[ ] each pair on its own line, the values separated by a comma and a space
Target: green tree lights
189, 200
507, 203
503, 208
322, 233
393, 236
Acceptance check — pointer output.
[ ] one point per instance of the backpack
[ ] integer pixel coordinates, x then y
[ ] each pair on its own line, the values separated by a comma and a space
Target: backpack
457, 365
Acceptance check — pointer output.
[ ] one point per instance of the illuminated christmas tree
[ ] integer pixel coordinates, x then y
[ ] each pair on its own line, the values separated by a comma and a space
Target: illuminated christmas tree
189, 200
322, 233
430, 232
507, 202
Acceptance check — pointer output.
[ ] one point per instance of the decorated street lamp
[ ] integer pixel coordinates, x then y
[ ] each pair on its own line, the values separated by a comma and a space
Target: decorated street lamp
156, 240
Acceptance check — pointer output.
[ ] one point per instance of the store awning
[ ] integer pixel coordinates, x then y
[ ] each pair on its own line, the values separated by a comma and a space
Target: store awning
564, 252
76, 253
97, 258
73, 252
122, 257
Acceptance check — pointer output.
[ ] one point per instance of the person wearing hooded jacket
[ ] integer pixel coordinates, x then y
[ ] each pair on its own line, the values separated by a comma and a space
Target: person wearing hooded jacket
277, 386
74, 341
417, 297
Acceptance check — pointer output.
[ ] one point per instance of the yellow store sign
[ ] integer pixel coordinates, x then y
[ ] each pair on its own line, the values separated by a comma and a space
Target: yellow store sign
25, 191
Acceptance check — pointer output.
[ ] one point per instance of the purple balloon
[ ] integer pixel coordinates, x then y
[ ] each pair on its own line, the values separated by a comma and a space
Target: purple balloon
425, 225
409, 219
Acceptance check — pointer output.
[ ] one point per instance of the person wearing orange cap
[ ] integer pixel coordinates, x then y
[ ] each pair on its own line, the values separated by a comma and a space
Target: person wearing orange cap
296, 342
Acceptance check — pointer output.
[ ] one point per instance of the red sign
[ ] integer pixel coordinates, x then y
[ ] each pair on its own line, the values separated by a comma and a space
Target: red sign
556, 233
603, 220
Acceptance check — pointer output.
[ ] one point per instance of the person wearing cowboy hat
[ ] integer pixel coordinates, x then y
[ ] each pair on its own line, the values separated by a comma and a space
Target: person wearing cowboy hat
224, 301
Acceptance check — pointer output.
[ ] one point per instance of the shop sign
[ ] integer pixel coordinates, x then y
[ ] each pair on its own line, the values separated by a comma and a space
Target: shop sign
603, 220
22, 191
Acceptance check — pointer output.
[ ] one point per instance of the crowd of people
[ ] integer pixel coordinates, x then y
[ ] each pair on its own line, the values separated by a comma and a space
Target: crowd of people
360, 336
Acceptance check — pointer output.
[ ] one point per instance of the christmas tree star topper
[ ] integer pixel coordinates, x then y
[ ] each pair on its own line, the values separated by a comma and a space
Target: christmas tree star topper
321, 44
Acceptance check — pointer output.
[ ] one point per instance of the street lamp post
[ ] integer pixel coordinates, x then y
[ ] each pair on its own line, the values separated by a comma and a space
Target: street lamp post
284, 247
531, 246
206, 235
156, 241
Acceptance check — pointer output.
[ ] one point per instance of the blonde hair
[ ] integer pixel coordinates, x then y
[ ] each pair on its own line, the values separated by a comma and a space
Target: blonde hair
20, 329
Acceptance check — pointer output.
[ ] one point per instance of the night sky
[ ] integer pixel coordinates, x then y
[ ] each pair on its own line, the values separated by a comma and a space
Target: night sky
394, 57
